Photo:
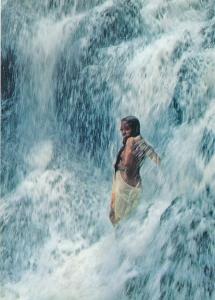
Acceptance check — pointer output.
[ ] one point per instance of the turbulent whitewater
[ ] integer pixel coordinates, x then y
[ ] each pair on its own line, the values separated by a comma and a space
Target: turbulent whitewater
71, 70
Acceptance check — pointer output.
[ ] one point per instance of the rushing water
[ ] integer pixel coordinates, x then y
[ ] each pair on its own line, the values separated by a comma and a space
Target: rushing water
70, 70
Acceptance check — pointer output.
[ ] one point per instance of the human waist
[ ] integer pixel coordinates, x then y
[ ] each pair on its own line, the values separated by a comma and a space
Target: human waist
132, 179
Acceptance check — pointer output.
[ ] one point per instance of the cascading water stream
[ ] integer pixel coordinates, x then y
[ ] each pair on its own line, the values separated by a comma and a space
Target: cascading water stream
70, 71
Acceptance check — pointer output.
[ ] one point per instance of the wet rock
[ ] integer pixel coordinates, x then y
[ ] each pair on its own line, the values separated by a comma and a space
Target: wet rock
67, 6
183, 107
209, 35
17, 22
181, 47
54, 4
207, 145
8, 74
134, 286
169, 211
188, 248
19, 235
84, 104
83, 96
116, 24
8, 120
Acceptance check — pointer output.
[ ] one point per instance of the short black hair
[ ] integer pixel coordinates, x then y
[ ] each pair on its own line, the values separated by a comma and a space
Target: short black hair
134, 124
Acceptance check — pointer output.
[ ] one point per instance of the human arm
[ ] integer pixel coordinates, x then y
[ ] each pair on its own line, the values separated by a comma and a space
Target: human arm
153, 155
142, 149
112, 205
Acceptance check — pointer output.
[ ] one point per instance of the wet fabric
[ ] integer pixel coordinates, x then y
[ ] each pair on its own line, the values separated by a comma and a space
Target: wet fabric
141, 149
126, 197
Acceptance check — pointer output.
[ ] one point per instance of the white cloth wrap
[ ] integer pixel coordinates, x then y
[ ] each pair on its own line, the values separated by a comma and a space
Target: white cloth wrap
127, 197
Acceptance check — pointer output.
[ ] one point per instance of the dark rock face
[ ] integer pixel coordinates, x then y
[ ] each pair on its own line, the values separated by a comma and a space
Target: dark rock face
10, 70
209, 36
207, 145
191, 243
83, 97
8, 119
66, 6
116, 24
181, 47
18, 228
84, 103
186, 250
187, 104
8, 74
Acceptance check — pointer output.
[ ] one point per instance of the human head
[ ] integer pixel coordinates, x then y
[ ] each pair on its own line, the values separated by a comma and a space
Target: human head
133, 123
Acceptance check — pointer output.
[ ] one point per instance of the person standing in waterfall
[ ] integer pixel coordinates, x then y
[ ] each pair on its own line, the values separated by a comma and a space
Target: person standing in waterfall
126, 189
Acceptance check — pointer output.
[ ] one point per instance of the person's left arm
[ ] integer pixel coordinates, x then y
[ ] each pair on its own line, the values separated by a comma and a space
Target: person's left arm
153, 156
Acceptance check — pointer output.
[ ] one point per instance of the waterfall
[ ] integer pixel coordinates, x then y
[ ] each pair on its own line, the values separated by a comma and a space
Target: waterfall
71, 70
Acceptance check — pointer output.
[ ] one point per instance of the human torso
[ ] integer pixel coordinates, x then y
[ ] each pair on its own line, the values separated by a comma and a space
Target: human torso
132, 174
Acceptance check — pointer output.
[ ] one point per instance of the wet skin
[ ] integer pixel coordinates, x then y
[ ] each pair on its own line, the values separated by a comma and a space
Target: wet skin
128, 163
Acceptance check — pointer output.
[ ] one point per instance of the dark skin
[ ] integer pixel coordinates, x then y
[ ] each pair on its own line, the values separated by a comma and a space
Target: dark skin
128, 165
128, 161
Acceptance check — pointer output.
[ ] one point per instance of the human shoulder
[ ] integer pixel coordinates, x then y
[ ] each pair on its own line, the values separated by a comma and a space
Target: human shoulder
140, 145
138, 138
130, 141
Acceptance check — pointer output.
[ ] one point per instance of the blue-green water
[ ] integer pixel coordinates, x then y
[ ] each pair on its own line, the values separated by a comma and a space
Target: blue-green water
70, 71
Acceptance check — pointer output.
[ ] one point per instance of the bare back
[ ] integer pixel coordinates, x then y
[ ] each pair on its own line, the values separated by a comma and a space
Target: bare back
132, 157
